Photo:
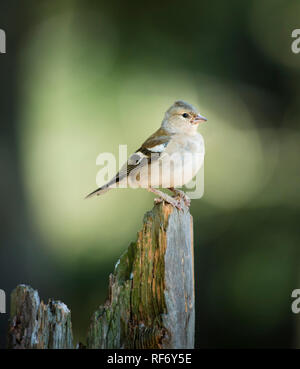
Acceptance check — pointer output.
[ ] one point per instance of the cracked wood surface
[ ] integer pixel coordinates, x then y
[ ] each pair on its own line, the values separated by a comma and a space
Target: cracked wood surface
36, 325
151, 300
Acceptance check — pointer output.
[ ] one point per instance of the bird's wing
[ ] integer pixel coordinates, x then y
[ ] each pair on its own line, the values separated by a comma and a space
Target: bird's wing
150, 151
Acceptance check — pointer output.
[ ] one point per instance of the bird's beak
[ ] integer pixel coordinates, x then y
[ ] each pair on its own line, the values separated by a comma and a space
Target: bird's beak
199, 118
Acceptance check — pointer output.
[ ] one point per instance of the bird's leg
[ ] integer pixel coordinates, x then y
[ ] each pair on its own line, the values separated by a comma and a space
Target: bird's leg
165, 197
181, 195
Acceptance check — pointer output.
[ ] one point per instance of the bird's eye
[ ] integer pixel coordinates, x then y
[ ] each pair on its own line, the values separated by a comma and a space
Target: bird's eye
185, 115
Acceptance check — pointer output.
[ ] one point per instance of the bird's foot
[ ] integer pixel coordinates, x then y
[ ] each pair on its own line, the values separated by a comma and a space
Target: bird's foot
176, 203
165, 197
182, 196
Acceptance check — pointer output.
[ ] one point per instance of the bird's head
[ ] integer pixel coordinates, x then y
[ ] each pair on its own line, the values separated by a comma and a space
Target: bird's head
182, 117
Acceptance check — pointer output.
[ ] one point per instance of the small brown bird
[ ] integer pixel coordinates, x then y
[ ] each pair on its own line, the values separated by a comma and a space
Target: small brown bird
169, 158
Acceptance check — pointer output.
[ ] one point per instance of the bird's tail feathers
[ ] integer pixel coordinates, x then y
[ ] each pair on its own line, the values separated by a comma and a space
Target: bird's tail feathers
99, 191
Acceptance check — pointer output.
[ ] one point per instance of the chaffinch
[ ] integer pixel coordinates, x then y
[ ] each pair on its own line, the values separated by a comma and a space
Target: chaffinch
169, 158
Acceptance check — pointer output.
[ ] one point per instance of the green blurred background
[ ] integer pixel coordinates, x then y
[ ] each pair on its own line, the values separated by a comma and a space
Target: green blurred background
80, 78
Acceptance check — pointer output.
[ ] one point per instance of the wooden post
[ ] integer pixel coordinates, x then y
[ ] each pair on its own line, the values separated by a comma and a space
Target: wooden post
34, 324
151, 301
151, 292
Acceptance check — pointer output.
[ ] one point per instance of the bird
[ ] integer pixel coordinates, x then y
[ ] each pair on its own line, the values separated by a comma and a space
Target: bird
168, 159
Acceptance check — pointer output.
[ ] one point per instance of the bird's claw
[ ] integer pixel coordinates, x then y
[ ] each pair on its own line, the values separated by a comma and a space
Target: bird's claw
187, 201
174, 202
182, 196
178, 205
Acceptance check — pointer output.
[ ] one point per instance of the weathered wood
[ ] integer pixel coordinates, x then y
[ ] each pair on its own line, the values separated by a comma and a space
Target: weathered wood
151, 292
151, 295
34, 324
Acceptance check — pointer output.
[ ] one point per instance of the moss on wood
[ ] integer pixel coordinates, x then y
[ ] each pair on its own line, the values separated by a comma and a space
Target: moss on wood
151, 292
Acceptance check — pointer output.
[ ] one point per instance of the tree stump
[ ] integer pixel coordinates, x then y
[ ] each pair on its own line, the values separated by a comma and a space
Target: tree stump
151, 299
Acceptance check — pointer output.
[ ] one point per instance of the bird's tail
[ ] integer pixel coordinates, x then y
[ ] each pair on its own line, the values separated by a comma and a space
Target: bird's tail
99, 191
